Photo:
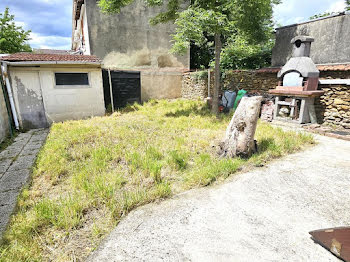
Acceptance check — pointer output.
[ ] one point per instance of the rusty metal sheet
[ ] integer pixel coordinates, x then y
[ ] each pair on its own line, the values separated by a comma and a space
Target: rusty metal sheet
336, 240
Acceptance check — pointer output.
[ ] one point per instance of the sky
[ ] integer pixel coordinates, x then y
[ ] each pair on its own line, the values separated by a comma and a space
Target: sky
51, 20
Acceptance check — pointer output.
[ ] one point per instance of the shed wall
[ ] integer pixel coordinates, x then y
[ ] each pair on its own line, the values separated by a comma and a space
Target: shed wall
59, 103
4, 121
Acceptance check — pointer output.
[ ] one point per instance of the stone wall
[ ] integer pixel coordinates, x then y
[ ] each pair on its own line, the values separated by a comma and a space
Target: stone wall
332, 108
255, 82
194, 87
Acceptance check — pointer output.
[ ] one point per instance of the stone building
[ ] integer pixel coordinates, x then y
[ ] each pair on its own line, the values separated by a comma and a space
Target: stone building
126, 41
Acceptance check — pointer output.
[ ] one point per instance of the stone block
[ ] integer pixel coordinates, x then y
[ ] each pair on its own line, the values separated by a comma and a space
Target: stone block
8, 198
338, 101
19, 144
23, 137
14, 180
5, 164
23, 162
5, 215
38, 137
29, 151
33, 145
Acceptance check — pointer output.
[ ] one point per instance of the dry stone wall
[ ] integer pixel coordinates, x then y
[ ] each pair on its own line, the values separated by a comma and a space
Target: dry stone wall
194, 87
332, 108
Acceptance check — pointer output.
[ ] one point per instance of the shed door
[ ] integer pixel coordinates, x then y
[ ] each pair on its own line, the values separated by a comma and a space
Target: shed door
29, 100
126, 88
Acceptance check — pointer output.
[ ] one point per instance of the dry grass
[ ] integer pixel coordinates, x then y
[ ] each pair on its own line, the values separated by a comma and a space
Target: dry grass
91, 173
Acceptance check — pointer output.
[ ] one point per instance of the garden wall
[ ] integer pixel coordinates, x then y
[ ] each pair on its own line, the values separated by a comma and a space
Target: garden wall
195, 84
331, 108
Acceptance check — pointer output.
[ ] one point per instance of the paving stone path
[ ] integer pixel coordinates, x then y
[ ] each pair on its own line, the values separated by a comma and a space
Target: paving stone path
15, 167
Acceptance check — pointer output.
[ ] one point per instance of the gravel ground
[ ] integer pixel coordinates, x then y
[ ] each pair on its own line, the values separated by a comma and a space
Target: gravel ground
263, 215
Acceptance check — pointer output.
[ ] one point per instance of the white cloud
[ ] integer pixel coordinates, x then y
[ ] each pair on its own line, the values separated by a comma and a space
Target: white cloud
338, 6
50, 42
296, 11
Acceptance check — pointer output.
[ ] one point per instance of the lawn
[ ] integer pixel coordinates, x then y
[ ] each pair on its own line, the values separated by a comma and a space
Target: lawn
91, 173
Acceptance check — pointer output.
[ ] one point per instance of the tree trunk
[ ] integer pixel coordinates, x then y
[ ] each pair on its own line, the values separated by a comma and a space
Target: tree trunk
239, 140
218, 47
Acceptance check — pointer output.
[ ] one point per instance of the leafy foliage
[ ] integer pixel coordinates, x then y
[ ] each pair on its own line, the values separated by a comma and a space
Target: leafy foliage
12, 38
202, 20
347, 2
240, 54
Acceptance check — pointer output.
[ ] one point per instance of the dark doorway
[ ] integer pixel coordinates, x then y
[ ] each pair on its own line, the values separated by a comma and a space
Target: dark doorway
126, 88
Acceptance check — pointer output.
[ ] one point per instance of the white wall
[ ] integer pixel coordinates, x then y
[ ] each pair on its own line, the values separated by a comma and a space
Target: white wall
60, 103
85, 29
81, 39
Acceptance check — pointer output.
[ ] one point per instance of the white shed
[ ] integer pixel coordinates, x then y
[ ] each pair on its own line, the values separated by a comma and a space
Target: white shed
51, 88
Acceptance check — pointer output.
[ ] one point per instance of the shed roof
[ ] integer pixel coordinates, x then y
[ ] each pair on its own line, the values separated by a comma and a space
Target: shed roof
29, 57
50, 51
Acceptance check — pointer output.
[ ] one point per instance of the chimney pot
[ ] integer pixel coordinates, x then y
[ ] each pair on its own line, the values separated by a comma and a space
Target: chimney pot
301, 46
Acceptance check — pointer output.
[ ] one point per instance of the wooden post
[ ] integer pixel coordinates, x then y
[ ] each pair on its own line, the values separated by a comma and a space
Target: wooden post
111, 89
209, 80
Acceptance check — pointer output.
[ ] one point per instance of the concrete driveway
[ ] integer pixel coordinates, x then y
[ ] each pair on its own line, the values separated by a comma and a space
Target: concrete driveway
263, 215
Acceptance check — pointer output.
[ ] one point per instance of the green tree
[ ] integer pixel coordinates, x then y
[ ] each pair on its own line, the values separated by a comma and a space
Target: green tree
241, 54
347, 2
12, 38
218, 19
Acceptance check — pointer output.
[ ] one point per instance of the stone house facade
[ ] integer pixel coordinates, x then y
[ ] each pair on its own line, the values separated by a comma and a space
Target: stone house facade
127, 41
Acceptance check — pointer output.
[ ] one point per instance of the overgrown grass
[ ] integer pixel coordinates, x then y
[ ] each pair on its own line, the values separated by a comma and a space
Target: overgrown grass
91, 173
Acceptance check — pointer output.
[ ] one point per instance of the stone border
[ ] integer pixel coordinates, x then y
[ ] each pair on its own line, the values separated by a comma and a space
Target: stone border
16, 162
